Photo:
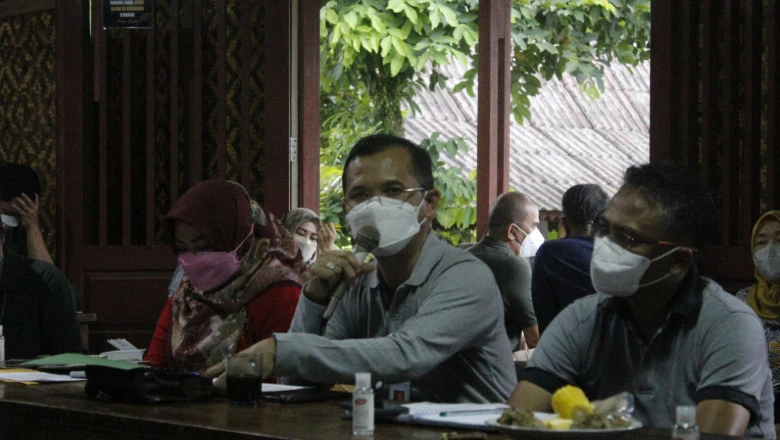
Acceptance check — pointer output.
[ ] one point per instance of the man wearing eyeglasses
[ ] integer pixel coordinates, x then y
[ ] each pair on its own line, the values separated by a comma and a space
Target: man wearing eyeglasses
426, 314
37, 309
656, 328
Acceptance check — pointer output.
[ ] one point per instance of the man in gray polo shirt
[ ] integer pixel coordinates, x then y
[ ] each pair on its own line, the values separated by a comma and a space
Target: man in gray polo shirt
656, 328
426, 313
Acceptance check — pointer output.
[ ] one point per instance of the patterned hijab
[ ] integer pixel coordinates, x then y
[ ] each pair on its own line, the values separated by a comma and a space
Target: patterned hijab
763, 296
206, 327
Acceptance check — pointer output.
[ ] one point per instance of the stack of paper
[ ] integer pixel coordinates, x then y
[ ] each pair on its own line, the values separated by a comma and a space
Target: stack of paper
32, 377
471, 415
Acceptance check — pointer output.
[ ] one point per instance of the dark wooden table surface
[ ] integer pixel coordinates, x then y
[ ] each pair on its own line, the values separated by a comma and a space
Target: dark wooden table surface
62, 411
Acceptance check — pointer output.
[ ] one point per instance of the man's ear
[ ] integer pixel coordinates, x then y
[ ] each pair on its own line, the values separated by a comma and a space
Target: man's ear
510, 232
431, 202
685, 258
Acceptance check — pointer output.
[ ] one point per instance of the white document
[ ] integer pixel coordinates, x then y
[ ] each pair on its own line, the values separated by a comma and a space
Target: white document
36, 376
473, 415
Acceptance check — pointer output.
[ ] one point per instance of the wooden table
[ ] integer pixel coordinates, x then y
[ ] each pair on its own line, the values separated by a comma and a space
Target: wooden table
62, 411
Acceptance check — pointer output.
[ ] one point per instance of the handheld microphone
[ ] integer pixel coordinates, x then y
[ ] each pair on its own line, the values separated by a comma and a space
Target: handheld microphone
366, 240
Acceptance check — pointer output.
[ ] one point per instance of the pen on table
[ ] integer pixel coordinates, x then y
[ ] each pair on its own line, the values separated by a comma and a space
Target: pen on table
467, 412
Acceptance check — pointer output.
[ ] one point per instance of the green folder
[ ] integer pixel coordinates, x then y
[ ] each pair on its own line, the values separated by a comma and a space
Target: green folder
75, 360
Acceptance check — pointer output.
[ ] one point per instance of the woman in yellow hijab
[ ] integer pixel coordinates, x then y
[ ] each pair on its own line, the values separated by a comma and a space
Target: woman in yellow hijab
764, 296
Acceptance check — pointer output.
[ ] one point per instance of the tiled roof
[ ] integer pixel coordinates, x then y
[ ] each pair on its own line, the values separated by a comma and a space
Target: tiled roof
569, 138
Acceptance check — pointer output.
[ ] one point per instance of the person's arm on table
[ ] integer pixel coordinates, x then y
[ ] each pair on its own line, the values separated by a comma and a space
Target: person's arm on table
308, 312
446, 322
722, 417
554, 363
266, 347
531, 397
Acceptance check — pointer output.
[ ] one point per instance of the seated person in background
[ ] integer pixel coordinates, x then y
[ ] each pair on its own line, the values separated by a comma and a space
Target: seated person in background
562, 267
37, 311
426, 312
241, 281
764, 296
19, 190
500, 249
309, 232
657, 328
262, 228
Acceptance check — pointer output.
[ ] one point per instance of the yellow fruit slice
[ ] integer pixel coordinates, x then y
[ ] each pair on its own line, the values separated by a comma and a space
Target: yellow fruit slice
569, 397
559, 424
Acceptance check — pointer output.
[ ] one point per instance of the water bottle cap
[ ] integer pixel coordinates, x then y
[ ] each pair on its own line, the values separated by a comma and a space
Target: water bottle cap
363, 380
686, 415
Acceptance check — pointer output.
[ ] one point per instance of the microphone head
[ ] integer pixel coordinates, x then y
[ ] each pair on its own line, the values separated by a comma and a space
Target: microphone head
367, 238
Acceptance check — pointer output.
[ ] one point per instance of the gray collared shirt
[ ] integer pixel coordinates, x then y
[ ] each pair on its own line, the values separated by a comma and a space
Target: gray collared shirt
710, 347
442, 330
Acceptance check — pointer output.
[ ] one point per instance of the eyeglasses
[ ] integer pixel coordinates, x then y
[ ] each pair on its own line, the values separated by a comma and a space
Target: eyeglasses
623, 237
359, 196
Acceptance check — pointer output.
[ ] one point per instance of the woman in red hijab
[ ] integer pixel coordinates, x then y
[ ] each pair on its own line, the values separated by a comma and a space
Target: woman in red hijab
242, 278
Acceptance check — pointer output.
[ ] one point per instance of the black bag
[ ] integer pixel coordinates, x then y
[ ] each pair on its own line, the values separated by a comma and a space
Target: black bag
145, 385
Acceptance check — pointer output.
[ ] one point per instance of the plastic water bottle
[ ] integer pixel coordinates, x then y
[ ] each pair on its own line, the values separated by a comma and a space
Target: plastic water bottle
363, 405
685, 428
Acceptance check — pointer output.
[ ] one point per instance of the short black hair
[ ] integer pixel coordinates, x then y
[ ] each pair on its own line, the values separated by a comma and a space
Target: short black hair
582, 203
377, 143
16, 179
687, 207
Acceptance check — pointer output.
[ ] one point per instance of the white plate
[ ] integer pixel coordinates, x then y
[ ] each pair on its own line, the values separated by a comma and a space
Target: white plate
522, 432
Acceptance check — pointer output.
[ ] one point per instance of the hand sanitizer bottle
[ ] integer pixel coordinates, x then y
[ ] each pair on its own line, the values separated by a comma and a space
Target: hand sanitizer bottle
363, 405
685, 428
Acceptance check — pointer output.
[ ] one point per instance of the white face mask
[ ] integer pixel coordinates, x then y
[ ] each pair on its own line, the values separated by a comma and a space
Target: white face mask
617, 271
308, 247
531, 243
395, 220
9, 220
767, 261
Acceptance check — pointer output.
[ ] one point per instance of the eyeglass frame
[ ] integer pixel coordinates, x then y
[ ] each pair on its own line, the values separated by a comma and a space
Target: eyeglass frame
625, 239
351, 202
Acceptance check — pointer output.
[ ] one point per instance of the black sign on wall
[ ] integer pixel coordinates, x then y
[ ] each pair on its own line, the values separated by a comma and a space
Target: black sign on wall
128, 13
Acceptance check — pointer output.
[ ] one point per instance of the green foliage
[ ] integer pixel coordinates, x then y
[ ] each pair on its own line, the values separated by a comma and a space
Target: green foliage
376, 54
456, 215
346, 117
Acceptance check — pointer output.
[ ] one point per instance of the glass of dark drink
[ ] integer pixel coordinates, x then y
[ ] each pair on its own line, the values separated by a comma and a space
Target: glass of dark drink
244, 378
